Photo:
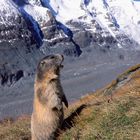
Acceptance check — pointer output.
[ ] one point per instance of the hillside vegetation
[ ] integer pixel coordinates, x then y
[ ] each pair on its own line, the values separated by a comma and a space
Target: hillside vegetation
112, 113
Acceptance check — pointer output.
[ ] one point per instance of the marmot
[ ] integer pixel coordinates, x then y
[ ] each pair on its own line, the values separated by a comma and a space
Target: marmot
48, 114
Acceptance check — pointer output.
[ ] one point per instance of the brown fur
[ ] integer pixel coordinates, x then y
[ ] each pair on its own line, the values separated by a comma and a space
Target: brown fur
47, 114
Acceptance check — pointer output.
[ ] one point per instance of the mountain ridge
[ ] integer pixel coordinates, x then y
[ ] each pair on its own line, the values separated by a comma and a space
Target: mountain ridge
109, 15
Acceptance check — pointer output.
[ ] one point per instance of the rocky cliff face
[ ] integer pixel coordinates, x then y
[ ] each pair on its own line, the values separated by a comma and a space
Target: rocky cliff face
12, 25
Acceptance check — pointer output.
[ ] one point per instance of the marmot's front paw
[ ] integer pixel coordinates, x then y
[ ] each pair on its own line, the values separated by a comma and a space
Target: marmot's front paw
57, 108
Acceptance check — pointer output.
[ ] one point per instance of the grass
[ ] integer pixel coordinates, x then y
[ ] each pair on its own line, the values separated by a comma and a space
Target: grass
18, 130
98, 116
119, 120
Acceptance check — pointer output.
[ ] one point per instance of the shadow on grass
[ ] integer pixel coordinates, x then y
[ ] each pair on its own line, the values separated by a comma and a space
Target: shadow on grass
69, 121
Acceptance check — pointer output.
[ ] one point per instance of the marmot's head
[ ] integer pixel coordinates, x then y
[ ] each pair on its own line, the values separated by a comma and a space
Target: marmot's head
49, 67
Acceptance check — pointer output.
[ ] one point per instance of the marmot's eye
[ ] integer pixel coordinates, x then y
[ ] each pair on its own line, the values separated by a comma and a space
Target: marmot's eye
42, 63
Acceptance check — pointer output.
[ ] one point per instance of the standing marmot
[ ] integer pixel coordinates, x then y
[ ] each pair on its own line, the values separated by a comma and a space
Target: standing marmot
47, 114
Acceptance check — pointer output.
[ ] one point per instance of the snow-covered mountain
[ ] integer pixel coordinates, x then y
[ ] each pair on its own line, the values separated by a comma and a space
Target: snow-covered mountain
115, 16
110, 14
21, 20
53, 19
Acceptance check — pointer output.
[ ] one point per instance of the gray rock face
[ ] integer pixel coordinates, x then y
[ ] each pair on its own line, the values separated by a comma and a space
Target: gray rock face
83, 38
86, 34
35, 2
12, 24
28, 24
